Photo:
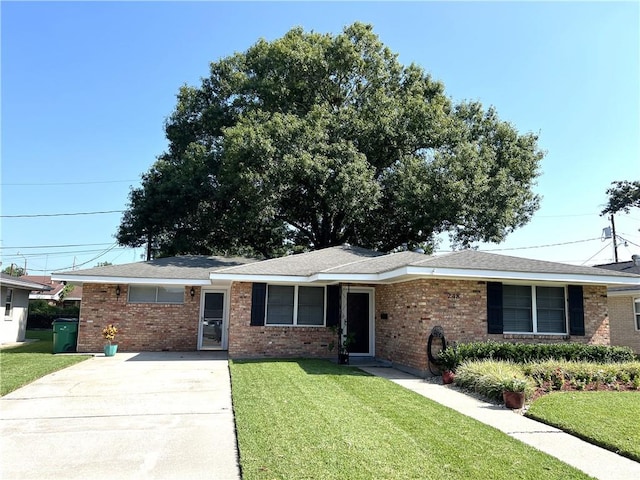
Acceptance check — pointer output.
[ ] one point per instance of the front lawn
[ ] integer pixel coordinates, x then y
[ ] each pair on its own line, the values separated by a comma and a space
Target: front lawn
606, 418
311, 419
26, 363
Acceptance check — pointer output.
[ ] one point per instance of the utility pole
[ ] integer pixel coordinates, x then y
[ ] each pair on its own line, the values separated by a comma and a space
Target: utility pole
615, 242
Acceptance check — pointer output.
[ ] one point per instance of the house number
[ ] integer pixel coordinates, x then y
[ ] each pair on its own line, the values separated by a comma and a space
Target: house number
453, 296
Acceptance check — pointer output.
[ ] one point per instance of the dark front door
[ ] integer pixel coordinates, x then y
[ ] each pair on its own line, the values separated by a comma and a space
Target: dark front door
358, 321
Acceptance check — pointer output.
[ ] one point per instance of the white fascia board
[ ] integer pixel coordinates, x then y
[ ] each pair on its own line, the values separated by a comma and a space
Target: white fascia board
409, 272
260, 278
624, 293
79, 279
518, 276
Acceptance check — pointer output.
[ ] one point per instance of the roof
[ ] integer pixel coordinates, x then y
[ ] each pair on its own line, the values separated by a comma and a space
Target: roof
52, 292
624, 267
16, 282
346, 263
187, 269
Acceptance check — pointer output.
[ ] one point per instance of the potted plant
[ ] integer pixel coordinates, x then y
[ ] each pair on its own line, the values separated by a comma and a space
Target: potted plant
448, 361
514, 392
344, 341
109, 333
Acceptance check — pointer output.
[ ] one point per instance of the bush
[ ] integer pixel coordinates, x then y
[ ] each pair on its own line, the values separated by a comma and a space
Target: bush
490, 378
41, 314
533, 352
580, 374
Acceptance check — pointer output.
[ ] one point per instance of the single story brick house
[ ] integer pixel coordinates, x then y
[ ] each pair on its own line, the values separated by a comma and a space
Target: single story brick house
624, 306
282, 307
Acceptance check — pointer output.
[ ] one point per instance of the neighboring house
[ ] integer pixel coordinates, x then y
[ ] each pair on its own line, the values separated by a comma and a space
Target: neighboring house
390, 302
54, 295
15, 295
624, 306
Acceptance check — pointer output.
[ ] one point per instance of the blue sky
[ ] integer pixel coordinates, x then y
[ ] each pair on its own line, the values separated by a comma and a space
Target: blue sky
86, 87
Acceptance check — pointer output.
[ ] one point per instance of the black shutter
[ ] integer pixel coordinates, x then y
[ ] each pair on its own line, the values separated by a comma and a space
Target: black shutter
576, 310
494, 307
258, 300
333, 305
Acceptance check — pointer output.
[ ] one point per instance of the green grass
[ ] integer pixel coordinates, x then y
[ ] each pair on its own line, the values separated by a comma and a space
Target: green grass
26, 363
311, 419
606, 418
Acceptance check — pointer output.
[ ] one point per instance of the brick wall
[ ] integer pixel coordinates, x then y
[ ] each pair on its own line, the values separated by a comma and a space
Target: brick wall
622, 323
141, 326
459, 306
246, 341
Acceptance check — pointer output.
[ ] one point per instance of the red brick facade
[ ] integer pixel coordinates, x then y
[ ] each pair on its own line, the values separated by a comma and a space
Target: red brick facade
247, 341
141, 326
460, 307
405, 314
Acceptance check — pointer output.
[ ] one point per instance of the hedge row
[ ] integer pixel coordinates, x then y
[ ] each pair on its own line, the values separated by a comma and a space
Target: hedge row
41, 314
456, 354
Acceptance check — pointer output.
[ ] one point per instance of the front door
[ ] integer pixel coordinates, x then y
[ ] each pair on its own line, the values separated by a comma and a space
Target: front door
359, 322
213, 328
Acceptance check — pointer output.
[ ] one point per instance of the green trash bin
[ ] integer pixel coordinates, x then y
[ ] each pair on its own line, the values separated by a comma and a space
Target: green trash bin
65, 335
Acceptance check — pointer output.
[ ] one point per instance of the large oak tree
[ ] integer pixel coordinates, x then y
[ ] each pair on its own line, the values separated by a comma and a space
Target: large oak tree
315, 140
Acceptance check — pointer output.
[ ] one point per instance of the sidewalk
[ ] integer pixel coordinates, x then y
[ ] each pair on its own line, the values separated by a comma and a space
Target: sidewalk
592, 460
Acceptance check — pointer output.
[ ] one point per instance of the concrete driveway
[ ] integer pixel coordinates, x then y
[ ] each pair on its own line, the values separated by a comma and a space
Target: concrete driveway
132, 416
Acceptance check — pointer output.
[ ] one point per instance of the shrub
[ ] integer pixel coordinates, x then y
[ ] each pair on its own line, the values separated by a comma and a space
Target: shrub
525, 353
42, 315
490, 377
582, 373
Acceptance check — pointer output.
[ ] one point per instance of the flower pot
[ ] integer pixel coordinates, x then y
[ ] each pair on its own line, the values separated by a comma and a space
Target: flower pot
448, 376
513, 400
110, 350
343, 358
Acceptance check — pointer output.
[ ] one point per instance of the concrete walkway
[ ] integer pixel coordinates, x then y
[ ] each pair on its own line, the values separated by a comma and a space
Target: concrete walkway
149, 416
592, 460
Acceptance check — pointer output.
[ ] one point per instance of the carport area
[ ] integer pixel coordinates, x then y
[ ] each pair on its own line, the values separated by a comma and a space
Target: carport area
133, 416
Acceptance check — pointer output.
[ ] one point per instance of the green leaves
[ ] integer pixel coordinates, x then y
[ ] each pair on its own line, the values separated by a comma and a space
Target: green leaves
623, 195
314, 140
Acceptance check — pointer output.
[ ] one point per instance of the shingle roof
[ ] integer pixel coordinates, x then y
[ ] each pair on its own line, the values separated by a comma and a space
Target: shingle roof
305, 264
474, 260
20, 283
625, 267
354, 260
196, 267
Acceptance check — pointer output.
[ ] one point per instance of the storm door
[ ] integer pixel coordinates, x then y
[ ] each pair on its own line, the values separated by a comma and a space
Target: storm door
213, 325
360, 321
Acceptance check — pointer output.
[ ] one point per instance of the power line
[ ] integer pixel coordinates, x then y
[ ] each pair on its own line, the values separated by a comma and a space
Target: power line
65, 183
61, 214
539, 246
58, 254
59, 246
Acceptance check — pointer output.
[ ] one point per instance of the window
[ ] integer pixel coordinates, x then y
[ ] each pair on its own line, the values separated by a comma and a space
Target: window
637, 312
294, 305
155, 294
8, 302
534, 309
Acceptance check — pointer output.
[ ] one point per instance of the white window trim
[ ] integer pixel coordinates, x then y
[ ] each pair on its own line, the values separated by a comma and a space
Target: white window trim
155, 302
534, 312
636, 313
295, 307
9, 316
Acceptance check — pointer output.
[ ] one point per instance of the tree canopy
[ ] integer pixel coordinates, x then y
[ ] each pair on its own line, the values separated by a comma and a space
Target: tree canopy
623, 195
315, 140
